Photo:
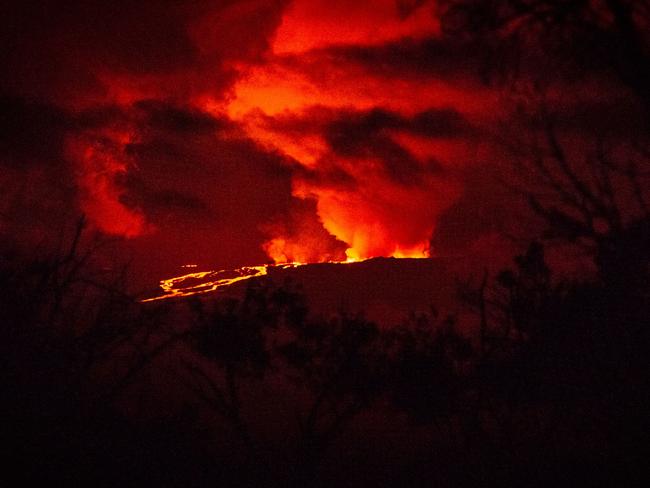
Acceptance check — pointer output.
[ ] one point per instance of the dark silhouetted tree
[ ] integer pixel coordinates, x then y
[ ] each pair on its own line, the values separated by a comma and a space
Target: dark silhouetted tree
590, 190
562, 364
231, 338
68, 333
556, 38
427, 358
339, 364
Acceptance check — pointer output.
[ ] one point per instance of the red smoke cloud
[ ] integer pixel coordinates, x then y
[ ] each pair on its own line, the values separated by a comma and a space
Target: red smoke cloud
306, 130
313, 24
99, 162
379, 186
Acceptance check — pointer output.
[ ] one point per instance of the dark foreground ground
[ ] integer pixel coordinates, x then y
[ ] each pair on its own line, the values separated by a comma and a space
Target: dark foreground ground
512, 380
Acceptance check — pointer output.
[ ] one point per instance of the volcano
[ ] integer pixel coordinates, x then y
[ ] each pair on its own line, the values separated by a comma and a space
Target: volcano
385, 290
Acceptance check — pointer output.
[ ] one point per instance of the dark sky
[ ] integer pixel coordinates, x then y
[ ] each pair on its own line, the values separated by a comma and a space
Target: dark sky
235, 132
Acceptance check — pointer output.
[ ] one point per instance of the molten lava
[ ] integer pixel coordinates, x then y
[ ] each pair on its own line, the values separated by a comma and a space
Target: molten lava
208, 281
205, 281
211, 281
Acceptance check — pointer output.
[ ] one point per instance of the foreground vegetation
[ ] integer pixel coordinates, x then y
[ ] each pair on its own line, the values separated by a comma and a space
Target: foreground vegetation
551, 385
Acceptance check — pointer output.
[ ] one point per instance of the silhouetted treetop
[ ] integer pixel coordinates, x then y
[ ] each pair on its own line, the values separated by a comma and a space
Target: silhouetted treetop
567, 36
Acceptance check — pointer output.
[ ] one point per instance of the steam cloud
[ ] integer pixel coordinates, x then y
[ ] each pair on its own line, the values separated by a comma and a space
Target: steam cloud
232, 132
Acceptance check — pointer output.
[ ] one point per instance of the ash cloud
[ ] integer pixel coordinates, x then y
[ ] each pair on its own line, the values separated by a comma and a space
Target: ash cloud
99, 115
202, 131
372, 189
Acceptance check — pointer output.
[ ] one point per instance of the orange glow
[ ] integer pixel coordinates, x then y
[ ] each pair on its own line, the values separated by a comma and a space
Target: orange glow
290, 77
277, 87
271, 89
205, 281
379, 216
370, 219
306, 149
301, 249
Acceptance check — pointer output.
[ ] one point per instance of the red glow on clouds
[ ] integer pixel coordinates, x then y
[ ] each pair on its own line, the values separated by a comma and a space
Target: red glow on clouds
376, 215
381, 219
204, 126
309, 24
100, 162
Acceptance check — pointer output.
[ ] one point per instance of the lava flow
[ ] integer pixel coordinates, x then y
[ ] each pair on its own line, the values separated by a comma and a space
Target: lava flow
209, 281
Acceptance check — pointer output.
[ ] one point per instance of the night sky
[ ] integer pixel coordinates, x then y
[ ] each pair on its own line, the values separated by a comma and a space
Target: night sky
324, 243
243, 132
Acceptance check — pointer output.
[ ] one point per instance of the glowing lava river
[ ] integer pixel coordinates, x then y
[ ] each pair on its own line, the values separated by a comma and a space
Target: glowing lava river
211, 281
